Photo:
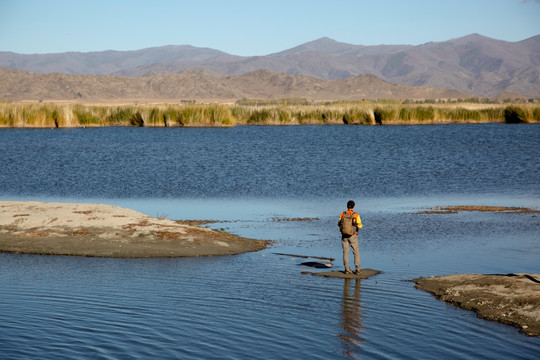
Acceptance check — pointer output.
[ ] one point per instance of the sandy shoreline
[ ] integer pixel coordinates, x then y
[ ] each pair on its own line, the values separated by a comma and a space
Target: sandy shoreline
108, 231
511, 299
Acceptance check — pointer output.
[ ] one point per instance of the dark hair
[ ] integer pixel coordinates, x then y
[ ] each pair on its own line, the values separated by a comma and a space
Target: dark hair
350, 204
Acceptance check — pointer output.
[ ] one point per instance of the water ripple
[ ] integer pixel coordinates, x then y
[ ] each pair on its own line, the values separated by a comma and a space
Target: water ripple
259, 305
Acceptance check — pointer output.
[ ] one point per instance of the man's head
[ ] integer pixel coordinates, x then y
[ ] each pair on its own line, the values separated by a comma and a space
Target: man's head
350, 204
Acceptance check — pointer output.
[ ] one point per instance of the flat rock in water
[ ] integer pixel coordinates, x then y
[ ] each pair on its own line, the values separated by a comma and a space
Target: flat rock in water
318, 264
364, 274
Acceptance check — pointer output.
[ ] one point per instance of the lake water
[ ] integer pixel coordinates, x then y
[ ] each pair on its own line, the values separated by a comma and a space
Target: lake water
252, 181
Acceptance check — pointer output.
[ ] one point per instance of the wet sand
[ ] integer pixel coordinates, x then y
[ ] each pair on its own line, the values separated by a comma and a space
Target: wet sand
511, 299
478, 208
108, 231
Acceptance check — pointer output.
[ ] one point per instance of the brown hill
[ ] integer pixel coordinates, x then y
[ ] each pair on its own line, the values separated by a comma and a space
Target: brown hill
18, 85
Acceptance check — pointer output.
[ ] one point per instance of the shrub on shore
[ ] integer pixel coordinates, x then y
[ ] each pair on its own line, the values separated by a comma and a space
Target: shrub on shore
515, 115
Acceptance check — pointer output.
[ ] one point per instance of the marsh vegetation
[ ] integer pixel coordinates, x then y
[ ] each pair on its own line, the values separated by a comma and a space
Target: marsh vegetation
244, 112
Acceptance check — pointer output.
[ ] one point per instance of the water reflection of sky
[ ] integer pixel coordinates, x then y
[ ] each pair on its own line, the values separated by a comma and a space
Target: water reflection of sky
260, 303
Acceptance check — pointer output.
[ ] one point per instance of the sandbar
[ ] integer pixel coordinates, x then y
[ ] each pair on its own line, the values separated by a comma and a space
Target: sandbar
511, 299
363, 274
79, 229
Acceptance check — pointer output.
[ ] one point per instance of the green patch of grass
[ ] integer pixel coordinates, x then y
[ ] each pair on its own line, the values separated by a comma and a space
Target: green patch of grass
382, 115
418, 113
357, 116
125, 117
535, 113
86, 116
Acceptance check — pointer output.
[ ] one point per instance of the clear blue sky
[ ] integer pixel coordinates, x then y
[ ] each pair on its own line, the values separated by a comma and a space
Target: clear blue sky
253, 27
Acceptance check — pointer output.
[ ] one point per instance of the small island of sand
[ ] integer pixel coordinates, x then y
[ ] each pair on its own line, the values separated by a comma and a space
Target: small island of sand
511, 299
108, 231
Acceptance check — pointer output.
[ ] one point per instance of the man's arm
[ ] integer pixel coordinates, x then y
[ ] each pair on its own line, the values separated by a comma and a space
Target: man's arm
358, 222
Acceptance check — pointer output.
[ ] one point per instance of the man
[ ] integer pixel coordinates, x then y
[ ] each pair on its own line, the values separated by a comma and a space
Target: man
349, 224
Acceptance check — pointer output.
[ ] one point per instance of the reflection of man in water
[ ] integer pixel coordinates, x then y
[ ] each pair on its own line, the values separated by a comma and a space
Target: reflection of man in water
351, 319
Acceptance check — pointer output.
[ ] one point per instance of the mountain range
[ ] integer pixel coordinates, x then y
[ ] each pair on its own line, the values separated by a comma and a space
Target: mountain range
473, 65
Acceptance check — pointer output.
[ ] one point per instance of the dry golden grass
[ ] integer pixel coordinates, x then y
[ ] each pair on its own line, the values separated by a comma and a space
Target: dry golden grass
50, 115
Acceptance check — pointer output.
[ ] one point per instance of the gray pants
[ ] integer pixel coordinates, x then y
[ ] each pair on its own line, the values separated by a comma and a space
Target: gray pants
351, 241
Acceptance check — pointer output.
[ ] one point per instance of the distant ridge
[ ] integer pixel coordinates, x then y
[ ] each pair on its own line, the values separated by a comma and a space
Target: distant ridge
104, 62
473, 64
16, 85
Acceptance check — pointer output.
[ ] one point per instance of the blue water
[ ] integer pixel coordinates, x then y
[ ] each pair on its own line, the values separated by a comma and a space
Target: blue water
252, 180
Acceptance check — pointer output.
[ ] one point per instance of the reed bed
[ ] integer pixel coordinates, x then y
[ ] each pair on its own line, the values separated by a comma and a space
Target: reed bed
20, 115
394, 114
301, 115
